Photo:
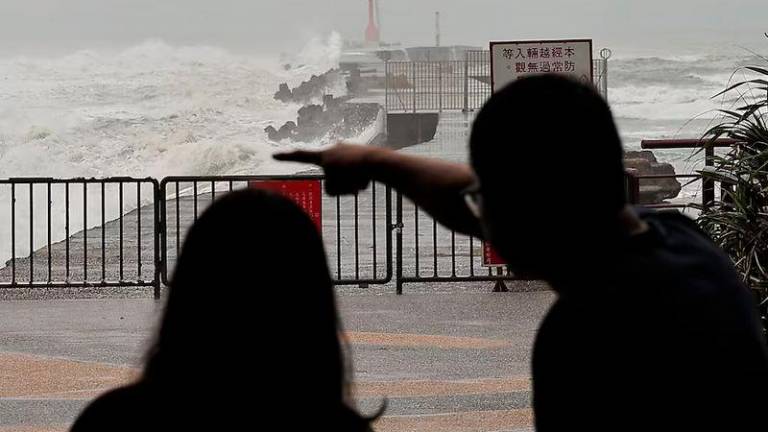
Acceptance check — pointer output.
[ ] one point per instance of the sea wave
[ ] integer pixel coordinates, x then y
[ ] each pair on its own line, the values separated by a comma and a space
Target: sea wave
154, 109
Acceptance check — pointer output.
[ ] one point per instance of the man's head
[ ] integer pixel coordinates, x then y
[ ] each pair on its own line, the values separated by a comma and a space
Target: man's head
548, 159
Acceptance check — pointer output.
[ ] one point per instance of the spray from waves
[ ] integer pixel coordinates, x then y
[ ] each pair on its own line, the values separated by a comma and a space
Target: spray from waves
151, 110
320, 54
674, 87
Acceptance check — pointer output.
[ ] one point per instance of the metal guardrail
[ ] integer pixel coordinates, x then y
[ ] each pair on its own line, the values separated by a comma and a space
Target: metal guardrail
433, 86
127, 232
131, 230
708, 189
356, 230
428, 252
80, 233
436, 86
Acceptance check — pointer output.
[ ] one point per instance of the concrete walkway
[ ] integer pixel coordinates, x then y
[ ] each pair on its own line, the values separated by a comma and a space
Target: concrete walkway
445, 362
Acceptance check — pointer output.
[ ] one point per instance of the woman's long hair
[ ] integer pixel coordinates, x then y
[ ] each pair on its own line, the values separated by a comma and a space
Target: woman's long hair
251, 311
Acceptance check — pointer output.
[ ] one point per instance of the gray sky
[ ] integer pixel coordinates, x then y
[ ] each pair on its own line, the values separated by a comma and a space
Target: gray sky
275, 25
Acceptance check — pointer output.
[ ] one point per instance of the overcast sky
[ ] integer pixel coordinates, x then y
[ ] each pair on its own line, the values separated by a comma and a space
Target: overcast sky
276, 25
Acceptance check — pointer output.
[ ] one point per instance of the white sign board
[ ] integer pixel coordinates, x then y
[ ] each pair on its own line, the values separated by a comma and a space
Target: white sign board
513, 60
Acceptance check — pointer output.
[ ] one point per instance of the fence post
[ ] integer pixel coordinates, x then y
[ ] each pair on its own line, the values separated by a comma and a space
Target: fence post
387, 83
708, 185
399, 244
159, 205
466, 83
633, 186
605, 55
440, 86
413, 84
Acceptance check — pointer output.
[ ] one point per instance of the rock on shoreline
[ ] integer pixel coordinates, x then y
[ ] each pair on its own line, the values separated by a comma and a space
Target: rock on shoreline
653, 191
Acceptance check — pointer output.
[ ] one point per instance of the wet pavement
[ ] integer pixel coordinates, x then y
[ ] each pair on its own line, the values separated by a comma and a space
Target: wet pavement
450, 361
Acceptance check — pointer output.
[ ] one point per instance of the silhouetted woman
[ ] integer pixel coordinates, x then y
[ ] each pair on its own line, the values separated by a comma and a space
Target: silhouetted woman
250, 335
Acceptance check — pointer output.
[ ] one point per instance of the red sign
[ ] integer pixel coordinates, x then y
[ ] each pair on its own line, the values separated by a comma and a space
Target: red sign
307, 194
491, 258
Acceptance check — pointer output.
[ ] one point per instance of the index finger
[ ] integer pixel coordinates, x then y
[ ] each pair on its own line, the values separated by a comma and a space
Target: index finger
302, 156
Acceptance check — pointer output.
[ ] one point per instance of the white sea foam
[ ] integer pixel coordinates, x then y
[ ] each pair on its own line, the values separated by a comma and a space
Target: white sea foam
150, 110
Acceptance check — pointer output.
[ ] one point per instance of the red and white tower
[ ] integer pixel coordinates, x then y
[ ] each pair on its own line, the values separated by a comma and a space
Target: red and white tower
372, 35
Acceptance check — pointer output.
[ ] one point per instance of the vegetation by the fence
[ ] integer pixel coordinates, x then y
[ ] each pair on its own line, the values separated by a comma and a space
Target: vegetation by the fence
738, 221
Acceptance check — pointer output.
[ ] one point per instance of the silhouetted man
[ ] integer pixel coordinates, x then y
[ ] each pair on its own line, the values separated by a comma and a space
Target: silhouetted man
652, 329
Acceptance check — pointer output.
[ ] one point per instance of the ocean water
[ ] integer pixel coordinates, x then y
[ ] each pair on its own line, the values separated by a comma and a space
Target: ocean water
157, 110
150, 110
673, 96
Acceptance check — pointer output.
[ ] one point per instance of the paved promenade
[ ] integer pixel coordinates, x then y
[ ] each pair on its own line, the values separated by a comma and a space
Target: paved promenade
450, 362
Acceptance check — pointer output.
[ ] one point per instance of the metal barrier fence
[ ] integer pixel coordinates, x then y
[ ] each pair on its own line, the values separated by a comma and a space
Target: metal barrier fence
708, 187
478, 82
436, 86
356, 229
79, 233
431, 86
428, 252
126, 232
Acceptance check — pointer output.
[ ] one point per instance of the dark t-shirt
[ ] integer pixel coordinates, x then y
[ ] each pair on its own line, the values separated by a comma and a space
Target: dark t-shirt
666, 338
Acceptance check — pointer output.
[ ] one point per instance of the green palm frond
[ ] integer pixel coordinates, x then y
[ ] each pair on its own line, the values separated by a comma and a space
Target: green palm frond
738, 220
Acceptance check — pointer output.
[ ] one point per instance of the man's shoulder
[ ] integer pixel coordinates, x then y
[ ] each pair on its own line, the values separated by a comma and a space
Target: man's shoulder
696, 269
672, 219
681, 237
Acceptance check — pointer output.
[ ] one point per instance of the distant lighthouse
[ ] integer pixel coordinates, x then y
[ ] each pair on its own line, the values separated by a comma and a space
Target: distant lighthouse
372, 35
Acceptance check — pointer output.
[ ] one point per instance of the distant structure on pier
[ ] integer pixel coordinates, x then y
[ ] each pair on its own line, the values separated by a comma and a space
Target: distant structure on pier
372, 32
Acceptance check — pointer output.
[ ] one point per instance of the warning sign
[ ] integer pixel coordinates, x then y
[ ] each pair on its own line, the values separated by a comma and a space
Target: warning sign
513, 60
307, 194
491, 258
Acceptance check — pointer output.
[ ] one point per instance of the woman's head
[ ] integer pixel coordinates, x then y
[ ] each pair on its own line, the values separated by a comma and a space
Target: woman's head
251, 305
